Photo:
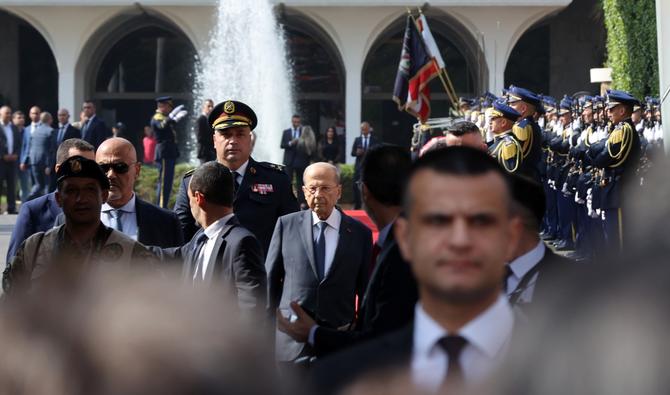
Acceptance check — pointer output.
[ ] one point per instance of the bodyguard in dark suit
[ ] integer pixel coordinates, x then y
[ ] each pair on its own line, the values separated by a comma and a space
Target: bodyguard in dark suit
65, 129
94, 131
318, 259
361, 145
263, 193
42, 155
124, 211
390, 297
10, 149
458, 230
205, 134
223, 252
533, 267
295, 159
40, 214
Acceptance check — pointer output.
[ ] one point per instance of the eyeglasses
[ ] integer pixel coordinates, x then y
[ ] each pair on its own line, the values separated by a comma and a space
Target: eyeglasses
322, 188
118, 167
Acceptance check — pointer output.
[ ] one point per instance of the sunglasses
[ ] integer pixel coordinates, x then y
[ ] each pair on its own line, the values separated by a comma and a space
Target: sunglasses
118, 167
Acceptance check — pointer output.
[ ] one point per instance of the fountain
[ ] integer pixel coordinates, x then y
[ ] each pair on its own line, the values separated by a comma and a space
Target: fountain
246, 61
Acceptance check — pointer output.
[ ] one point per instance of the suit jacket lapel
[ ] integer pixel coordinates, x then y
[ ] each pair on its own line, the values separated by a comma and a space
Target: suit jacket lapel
386, 248
307, 238
214, 266
342, 243
139, 205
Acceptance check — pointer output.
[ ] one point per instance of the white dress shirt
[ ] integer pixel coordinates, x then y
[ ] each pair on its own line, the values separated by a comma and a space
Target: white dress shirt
487, 336
332, 234
522, 265
9, 136
241, 171
212, 232
128, 218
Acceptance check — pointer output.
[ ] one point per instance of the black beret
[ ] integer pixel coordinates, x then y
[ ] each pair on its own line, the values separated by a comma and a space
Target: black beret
78, 166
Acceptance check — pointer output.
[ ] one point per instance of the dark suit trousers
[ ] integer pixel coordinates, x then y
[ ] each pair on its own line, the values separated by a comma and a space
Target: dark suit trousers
40, 182
8, 175
290, 170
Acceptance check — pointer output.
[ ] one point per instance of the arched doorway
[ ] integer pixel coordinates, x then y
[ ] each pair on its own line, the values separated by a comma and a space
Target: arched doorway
465, 66
139, 59
554, 56
318, 71
27, 65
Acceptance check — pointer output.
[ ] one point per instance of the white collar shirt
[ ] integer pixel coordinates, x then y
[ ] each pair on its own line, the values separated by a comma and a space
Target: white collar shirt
241, 171
332, 234
520, 267
33, 127
9, 136
212, 232
488, 336
128, 218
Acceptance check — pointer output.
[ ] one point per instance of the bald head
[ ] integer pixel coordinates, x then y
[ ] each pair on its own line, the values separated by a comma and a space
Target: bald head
118, 159
5, 114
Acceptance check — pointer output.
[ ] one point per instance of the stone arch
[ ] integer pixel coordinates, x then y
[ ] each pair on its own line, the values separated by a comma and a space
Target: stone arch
27, 82
321, 76
135, 105
465, 64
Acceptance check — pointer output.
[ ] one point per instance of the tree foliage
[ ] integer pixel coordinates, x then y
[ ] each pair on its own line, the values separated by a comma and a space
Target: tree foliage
632, 46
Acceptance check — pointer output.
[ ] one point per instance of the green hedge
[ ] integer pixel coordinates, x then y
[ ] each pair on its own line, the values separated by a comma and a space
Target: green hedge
631, 45
145, 186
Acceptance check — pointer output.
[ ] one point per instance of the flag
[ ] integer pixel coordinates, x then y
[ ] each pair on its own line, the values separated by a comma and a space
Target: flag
415, 70
429, 40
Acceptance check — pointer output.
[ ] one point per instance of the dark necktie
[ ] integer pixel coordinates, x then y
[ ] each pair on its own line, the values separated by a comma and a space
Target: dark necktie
60, 134
365, 143
115, 219
197, 260
453, 346
320, 251
236, 183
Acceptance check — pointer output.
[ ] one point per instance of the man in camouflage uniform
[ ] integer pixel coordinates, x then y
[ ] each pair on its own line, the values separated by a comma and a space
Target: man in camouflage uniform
68, 251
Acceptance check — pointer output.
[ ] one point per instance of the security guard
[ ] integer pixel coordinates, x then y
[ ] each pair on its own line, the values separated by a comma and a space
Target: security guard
66, 252
263, 190
505, 148
163, 123
617, 157
526, 130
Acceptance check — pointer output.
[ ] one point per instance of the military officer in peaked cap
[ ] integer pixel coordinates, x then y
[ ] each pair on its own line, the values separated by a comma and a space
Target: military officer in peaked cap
162, 124
526, 129
262, 190
506, 148
617, 157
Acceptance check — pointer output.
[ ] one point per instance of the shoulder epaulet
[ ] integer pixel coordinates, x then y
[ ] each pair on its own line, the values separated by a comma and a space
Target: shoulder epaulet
159, 116
522, 130
190, 172
509, 149
522, 123
271, 166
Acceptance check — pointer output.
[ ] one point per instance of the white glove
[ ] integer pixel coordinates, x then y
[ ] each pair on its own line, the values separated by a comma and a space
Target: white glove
180, 115
175, 112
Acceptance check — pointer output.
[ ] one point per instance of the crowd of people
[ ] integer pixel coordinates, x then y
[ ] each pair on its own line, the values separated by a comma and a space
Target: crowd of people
436, 301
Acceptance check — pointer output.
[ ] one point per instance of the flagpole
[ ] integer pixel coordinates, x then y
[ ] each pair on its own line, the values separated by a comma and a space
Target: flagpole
446, 84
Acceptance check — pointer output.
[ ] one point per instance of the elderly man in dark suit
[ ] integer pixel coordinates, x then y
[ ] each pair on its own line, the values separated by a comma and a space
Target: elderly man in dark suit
360, 147
124, 210
295, 158
391, 295
40, 214
318, 260
222, 252
10, 149
94, 129
458, 231
65, 129
41, 155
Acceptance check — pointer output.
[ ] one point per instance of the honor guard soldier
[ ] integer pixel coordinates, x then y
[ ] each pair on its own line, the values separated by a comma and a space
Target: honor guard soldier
83, 241
262, 190
526, 129
617, 158
163, 123
505, 148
